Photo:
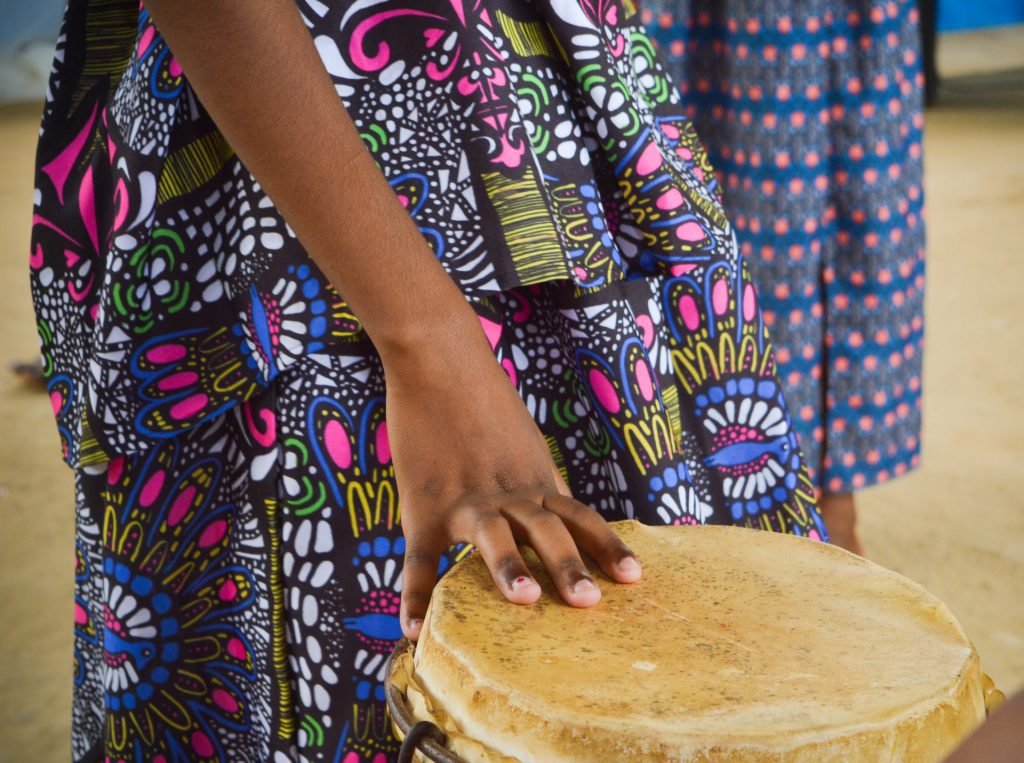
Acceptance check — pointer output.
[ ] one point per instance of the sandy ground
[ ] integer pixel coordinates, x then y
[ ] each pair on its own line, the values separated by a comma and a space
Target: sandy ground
956, 526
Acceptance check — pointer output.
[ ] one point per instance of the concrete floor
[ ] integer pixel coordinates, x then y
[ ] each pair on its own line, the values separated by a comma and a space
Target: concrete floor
956, 526
37, 541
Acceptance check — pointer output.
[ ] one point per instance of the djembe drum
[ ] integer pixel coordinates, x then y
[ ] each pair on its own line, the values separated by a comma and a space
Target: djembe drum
736, 645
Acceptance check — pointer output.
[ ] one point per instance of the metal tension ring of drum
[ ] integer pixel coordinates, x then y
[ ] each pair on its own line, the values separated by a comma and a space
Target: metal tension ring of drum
417, 736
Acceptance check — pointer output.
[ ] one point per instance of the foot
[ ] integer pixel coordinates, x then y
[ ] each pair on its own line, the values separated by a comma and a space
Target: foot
840, 516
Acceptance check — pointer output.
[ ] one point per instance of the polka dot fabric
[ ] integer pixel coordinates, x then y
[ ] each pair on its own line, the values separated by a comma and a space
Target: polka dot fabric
812, 114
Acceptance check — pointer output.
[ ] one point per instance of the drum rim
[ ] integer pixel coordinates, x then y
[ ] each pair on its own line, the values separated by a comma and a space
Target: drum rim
401, 715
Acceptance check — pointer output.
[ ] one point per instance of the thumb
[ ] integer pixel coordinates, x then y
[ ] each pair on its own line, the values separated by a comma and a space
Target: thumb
419, 575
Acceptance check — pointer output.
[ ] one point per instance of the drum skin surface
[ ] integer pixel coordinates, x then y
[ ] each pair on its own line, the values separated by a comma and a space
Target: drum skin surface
736, 645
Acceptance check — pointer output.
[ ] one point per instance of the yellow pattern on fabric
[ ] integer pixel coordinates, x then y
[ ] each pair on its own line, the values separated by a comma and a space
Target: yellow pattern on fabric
285, 727
110, 29
570, 208
345, 325
369, 503
649, 440
799, 505
89, 452
525, 217
670, 398
528, 38
711, 210
557, 457
193, 166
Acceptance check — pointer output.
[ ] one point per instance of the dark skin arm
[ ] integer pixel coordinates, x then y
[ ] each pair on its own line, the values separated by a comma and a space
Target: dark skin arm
470, 463
999, 740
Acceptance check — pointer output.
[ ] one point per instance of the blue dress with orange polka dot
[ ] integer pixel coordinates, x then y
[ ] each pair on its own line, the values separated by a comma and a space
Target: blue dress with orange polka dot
812, 113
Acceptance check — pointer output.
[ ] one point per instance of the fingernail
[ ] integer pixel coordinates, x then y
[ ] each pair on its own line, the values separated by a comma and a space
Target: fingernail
584, 585
522, 582
415, 625
628, 566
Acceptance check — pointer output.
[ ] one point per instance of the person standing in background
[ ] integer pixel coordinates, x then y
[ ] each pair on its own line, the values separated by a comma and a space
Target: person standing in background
812, 115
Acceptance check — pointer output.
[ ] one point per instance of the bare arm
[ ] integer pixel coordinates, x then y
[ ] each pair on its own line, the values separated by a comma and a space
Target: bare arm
999, 740
470, 463
259, 76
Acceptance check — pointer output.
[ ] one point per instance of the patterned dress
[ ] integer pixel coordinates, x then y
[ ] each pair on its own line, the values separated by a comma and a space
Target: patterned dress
239, 547
812, 112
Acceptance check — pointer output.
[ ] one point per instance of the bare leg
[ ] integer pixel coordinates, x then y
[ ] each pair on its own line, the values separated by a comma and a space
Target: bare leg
840, 516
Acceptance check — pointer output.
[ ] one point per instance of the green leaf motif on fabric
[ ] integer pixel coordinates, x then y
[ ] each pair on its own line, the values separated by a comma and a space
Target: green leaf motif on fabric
157, 292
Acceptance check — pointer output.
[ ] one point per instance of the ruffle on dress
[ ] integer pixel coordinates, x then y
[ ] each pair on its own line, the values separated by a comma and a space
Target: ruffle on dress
530, 141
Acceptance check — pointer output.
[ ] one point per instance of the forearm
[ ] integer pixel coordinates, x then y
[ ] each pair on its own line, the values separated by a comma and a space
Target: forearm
257, 72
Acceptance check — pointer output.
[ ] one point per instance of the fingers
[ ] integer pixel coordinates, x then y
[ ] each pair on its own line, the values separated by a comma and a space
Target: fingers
591, 533
489, 531
545, 532
555, 525
422, 556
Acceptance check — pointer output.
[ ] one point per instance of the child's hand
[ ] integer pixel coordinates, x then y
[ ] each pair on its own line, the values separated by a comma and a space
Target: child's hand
472, 467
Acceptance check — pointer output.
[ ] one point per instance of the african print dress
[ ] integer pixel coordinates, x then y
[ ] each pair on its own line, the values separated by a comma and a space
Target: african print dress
812, 112
239, 549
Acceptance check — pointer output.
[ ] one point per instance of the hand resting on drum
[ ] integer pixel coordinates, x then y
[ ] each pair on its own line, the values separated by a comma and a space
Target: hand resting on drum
471, 466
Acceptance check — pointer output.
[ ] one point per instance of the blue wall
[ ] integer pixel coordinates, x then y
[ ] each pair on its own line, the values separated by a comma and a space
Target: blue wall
972, 14
40, 19
23, 20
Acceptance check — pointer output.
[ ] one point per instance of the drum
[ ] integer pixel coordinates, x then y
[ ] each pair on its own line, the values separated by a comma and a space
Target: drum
736, 645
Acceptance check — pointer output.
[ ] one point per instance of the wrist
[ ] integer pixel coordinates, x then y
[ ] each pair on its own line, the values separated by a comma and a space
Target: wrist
449, 334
